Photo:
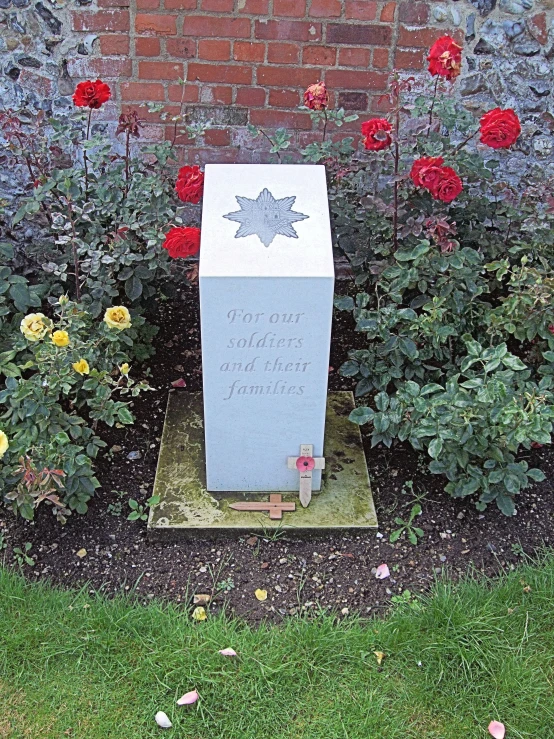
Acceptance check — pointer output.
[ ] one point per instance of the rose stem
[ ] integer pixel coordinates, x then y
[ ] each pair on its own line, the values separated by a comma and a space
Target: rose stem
85, 153
324, 125
432, 106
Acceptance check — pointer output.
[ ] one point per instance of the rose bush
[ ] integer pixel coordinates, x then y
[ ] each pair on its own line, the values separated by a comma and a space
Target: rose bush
450, 268
70, 327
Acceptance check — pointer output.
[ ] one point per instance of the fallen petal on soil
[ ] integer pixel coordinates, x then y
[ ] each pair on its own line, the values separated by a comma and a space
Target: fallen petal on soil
382, 572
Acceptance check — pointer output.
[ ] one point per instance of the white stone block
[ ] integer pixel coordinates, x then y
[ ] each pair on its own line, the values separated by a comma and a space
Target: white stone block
266, 303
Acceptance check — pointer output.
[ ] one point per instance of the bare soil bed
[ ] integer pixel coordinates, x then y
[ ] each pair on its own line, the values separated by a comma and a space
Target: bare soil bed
299, 574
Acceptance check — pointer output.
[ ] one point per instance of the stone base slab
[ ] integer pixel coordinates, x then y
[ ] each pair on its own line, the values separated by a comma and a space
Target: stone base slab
344, 502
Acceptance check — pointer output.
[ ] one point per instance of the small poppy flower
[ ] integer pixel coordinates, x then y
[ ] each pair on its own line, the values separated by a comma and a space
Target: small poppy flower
305, 464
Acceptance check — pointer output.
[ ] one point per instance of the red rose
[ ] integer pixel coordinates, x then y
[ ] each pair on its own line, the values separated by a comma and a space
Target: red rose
551, 328
448, 187
190, 184
376, 133
91, 94
445, 58
500, 128
182, 242
316, 97
426, 172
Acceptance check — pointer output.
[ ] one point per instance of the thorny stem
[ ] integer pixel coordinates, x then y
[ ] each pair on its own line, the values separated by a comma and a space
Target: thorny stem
179, 117
76, 267
127, 153
396, 170
432, 106
271, 142
324, 126
85, 158
464, 142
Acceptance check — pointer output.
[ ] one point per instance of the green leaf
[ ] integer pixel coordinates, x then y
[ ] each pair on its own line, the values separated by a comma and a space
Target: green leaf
349, 369
506, 504
408, 347
513, 363
382, 401
19, 293
435, 448
536, 474
361, 415
395, 535
133, 288
344, 302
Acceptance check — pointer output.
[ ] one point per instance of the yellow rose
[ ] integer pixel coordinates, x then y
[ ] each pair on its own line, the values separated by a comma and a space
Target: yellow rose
3, 444
60, 338
117, 317
81, 367
199, 614
124, 369
34, 326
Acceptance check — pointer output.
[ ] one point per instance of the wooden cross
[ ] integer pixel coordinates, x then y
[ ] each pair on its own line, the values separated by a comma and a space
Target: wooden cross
275, 506
305, 463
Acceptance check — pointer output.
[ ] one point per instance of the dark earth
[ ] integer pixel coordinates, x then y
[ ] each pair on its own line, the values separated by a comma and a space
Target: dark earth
301, 575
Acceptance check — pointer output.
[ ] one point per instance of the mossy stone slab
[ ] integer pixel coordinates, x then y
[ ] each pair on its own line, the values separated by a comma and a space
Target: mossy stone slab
345, 500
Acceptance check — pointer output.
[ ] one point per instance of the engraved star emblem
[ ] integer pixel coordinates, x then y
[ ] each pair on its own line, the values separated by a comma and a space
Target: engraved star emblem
266, 217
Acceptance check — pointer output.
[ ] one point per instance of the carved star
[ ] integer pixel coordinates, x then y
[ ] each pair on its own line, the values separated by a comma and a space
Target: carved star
266, 217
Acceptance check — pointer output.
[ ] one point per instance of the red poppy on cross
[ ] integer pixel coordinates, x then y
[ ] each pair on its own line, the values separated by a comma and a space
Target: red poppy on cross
305, 464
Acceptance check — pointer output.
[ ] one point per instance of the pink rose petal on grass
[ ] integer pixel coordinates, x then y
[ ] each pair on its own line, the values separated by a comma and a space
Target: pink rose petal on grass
497, 730
228, 652
188, 698
382, 572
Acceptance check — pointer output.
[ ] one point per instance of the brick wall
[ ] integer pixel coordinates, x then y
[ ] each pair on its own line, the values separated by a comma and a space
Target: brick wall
249, 61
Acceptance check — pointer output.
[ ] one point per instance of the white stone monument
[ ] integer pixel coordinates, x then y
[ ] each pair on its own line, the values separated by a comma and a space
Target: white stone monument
266, 303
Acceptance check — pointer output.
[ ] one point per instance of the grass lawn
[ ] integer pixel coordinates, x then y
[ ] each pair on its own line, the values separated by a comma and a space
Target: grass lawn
88, 668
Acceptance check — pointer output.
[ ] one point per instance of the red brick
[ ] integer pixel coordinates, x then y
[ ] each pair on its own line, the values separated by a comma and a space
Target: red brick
160, 70
423, 37
346, 79
362, 10
410, 59
287, 76
148, 4
141, 91
380, 58
413, 13
214, 50
255, 7
180, 4
288, 30
216, 95
283, 53
159, 25
181, 139
251, 97
108, 67
217, 137
537, 26
35, 83
246, 51
354, 57
346, 33
188, 93
236, 74
280, 119
114, 45
182, 48
202, 156
207, 25
324, 56
150, 116
353, 100
101, 20
381, 104
284, 98
114, 3
387, 14
325, 9
219, 6
147, 46
296, 8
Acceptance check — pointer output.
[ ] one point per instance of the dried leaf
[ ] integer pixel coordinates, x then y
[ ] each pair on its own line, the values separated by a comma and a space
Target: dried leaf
228, 652
82, 553
199, 614
188, 698
162, 720
382, 572
261, 594
201, 599
380, 657
497, 730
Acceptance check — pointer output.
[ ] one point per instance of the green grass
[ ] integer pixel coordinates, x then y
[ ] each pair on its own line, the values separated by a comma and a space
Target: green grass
89, 668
